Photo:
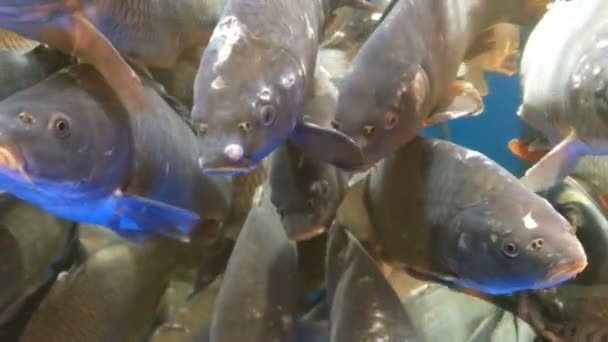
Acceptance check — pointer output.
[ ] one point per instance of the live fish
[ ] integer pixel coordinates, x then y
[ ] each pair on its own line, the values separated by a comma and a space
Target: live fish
467, 222
257, 298
252, 83
118, 290
404, 75
90, 161
363, 305
564, 87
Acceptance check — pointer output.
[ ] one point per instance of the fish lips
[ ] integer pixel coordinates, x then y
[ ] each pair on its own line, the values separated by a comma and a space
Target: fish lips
563, 271
227, 168
12, 160
302, 225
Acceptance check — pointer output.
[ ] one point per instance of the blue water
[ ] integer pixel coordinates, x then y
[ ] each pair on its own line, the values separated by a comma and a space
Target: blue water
490, 132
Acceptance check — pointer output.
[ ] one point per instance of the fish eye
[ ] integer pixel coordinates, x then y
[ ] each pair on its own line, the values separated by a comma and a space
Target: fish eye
390, 120
267, 114
60, 125
509, 248
368, 130
321, 188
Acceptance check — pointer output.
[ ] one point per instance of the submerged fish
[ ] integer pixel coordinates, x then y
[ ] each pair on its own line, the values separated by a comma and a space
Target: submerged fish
89, 160
363, 305
454, 216
252, 82
21, 71
564, 87
33, 246
113, 296
404, 76
257, 298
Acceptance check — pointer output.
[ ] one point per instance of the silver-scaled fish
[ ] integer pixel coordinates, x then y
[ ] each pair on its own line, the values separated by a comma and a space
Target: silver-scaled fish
452, 215
257, 297
363, 305
565, 87
113, 296
404, 75
252, 82
69, 147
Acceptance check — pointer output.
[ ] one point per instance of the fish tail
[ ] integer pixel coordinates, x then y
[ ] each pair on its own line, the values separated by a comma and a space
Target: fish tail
15, 43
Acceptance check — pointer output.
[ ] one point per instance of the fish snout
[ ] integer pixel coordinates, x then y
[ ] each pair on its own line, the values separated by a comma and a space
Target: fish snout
234, 152
572, 261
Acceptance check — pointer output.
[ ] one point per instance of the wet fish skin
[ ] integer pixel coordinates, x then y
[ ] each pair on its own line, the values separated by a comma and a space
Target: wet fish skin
252, 83
117, 289
363, 305
22, 71
468, 222
564, 88
257, 298
90, 161
400, 77
34, 246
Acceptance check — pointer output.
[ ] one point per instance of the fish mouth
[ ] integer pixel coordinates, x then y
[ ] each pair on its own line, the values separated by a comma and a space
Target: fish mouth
563, 272
227, 169
12, 161
301, 226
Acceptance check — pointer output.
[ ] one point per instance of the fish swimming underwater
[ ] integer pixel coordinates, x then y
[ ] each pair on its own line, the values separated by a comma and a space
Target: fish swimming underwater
363, 305
113, 296
252, 82
404, 75
564, 87
69, 147
257, 297
20, 71
452, 215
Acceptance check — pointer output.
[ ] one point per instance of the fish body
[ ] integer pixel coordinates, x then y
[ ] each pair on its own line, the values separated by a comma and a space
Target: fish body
113, 296
400, 78
257, 298
20, 71
34, 246
363, 305
564, 83
454, 216
251, 85
88, 160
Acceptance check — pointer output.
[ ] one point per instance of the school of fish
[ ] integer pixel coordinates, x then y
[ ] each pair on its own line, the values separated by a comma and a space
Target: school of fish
254, 171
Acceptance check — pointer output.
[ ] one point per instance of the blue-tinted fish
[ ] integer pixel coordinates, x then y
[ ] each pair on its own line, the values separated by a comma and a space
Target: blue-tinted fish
252, 83
452, 215
404, 75
69, 147
565, 87
363, 305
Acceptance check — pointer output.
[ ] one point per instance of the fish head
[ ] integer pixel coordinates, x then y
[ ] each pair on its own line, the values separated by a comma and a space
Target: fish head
306, 192
512, 242
247, 98
56, 135
379, 109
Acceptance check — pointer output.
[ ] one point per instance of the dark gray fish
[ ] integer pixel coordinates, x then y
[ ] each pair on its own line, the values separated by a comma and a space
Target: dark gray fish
404, 75
191, 322
113, 296
363, 305
88, 160
564, 87
105, 33
452, 215
257, 298
21, 71
252, 83
33, 246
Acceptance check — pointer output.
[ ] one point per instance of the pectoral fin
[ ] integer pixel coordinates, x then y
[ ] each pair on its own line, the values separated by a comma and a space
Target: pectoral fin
139, 213
15, 43
93, 47
328, 145
465, 101
556, 164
